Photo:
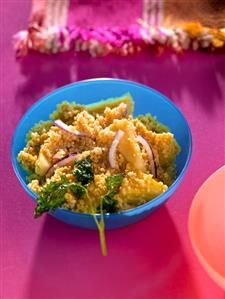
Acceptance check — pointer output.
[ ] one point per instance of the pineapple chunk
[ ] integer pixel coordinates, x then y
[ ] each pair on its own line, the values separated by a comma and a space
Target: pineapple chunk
128, 145
42, 165
138, 188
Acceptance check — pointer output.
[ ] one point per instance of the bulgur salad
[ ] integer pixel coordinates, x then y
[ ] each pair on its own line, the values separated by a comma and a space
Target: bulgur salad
98, 159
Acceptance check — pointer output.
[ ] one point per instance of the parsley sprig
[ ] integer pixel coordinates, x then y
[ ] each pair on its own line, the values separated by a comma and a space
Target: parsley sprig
108, 202
52, 195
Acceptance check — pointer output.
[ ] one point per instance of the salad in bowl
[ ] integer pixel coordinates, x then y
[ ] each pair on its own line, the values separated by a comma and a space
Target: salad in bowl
98, 159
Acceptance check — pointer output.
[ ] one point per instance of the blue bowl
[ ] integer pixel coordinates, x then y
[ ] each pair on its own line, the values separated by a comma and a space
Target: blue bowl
85, 92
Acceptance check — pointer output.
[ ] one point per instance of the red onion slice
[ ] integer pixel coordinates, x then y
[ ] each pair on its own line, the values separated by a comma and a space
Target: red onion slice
60, 124
149, 151
125, 113
113, 148
64, 161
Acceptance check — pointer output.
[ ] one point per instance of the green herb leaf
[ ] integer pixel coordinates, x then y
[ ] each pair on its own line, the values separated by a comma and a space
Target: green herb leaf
84, 171
77, 189
64, 179
108, 202
52, 196
114, 182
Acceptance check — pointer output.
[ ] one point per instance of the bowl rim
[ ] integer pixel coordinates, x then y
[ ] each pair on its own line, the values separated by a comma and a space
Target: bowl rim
212, 272
157, 201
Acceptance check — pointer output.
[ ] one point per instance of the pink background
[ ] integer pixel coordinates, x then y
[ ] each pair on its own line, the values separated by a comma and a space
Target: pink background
45, 258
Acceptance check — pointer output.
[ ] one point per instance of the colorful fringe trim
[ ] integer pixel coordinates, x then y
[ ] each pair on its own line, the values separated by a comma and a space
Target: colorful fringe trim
53, 36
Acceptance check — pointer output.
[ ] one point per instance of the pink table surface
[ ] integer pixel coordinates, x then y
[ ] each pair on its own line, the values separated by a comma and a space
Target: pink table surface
45, 258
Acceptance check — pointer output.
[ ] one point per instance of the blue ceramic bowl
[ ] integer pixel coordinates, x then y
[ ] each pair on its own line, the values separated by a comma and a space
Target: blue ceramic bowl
85, 92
